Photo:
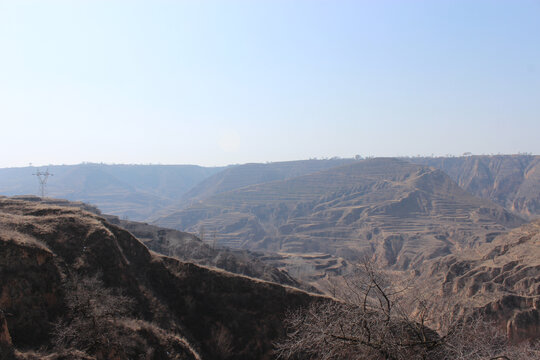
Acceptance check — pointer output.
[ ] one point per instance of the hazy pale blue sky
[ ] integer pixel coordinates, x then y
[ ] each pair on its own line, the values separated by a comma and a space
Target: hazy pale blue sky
218, 82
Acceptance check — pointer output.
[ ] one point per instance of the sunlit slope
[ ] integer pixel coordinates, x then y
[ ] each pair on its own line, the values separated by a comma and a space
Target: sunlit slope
401, 211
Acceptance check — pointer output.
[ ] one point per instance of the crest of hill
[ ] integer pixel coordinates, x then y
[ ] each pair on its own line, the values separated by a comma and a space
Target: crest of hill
401, 211
134, 191
501, 278
512, 181
180, 310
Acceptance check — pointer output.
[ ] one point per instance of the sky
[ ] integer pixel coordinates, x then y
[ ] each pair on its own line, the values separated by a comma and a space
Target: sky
227, 82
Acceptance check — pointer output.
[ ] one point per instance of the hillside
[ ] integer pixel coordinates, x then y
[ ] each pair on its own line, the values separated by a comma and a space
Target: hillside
52, 258
501, 278
240, 176
150, 192
512, 181
133, 191
403, 212
188, 247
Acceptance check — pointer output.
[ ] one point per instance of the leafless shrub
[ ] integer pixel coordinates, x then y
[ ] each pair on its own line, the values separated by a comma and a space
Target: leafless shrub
90, 324
222, 341
375, 318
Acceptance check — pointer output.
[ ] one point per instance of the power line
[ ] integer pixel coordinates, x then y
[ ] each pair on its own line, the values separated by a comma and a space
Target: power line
43, 177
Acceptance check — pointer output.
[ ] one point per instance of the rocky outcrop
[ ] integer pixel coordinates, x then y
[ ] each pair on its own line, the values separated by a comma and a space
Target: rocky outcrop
6, 346
5, 337
524, 325
500, 279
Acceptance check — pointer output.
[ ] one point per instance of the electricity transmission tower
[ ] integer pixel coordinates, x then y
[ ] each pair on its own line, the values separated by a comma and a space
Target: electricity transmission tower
43, 177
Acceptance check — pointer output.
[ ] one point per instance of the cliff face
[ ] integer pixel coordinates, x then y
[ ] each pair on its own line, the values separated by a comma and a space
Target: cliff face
176, 308
501, 279
512, 181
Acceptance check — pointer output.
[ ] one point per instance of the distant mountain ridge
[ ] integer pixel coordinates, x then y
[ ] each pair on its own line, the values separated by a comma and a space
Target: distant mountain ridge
148, 192
236, 177
133, 191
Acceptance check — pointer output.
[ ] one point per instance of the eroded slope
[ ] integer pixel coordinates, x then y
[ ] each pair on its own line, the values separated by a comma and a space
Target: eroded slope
501, 278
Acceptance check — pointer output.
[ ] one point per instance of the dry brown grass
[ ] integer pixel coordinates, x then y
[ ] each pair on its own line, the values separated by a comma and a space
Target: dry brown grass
184, 300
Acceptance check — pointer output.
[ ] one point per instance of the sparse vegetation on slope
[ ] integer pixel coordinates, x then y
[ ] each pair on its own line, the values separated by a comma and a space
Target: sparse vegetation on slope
188, 247
185, 309
381, 318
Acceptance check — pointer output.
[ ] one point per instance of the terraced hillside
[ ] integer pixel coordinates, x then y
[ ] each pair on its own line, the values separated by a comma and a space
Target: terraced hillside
402, 212
240, 176
512, 181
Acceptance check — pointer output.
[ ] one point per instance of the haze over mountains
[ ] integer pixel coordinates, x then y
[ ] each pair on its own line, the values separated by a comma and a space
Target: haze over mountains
220, 211
133, 191
146, 192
